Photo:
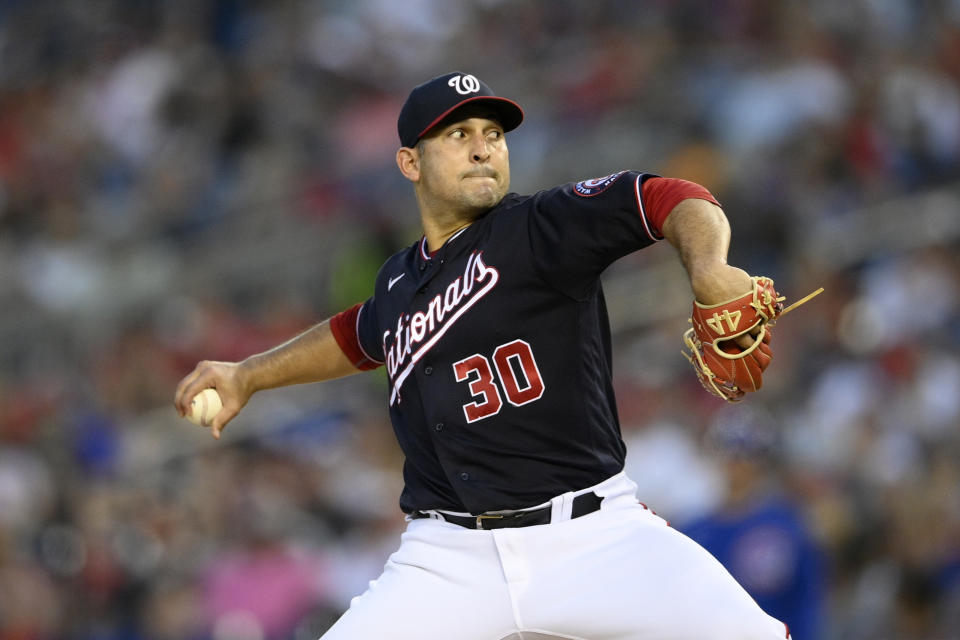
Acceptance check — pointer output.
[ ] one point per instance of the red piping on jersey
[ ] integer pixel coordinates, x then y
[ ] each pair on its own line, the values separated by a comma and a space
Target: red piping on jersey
661, 195
426, 255
345, 329
643, 216
356, 332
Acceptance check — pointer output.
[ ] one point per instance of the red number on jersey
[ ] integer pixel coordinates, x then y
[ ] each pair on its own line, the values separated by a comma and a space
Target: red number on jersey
483, 388
482, 385
518, 351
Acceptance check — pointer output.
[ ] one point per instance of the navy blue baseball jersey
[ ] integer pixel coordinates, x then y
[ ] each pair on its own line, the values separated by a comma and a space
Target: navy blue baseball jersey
497, 348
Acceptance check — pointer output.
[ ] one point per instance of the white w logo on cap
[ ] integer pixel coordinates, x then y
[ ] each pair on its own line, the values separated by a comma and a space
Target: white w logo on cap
464, 84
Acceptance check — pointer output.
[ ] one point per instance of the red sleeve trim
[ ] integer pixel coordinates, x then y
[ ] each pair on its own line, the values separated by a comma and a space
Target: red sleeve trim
661, 195
343, 326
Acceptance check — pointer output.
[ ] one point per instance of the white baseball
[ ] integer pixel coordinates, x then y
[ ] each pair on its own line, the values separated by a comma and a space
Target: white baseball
204, 406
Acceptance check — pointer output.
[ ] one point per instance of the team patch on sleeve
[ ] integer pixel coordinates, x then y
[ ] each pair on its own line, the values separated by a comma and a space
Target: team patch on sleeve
596, 186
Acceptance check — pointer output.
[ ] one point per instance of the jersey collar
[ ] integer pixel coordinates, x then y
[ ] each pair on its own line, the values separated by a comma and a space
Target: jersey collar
427, 255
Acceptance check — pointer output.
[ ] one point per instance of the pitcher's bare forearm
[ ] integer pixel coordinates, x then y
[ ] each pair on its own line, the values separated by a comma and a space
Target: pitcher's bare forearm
312, 356
701, 234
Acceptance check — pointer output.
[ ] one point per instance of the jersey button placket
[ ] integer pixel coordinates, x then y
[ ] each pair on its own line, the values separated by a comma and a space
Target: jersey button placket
427, 370
438, 427
464, 476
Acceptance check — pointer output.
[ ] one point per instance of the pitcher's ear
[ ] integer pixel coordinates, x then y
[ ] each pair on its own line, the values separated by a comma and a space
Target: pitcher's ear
408, 160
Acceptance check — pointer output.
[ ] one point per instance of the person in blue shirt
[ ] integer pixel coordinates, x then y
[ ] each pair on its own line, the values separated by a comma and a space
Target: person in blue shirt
758, 533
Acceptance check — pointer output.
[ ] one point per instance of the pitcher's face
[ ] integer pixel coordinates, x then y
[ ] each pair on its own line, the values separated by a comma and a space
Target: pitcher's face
465, 165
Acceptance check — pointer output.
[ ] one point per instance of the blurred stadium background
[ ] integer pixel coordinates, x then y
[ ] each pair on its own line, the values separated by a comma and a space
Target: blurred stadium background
190, 179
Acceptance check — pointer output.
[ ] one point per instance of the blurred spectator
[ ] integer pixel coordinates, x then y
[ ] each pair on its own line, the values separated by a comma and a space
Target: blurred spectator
758, 532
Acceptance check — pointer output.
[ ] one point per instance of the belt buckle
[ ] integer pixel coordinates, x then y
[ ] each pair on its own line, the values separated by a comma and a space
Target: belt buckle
492, 516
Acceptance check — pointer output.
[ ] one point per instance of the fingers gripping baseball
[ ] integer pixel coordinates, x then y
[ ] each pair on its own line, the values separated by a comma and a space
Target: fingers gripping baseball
224, 377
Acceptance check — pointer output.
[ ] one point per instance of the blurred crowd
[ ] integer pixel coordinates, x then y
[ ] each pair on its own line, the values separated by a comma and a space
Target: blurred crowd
185, 180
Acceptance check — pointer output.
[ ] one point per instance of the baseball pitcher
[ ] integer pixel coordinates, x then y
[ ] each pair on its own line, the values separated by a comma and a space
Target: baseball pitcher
494, 335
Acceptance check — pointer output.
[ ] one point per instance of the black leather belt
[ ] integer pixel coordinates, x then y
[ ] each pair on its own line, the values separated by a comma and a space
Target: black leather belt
582, 505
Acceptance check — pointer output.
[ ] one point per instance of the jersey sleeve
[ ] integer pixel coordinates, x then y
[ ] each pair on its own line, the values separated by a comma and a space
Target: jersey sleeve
578, 229
661, 195
358, 336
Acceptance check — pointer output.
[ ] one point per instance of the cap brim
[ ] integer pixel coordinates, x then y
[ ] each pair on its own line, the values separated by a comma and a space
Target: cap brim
508, 112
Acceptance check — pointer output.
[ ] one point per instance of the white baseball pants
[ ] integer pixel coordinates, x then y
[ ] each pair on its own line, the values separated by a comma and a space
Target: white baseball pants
621, 573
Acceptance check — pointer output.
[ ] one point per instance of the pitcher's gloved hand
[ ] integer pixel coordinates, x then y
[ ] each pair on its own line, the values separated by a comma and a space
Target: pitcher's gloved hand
714, 344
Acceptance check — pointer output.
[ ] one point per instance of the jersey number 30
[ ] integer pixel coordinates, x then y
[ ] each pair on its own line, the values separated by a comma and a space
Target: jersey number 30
512, 361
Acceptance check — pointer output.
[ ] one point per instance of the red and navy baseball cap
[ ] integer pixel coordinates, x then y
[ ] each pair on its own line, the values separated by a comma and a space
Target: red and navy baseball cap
431, 102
